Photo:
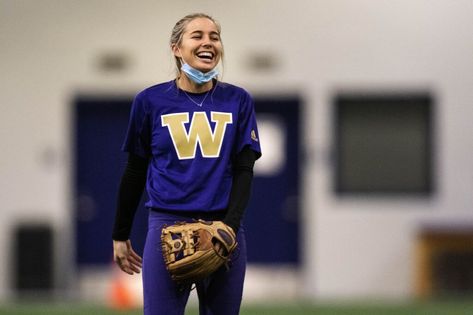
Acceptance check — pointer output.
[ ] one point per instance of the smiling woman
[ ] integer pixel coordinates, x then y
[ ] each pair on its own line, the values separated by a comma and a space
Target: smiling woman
197, 47
193, 143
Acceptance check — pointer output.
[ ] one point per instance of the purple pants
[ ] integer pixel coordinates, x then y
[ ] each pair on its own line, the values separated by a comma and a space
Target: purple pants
219, 294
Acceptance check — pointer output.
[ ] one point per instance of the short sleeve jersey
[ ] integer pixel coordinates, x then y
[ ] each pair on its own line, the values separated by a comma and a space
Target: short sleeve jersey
191, 145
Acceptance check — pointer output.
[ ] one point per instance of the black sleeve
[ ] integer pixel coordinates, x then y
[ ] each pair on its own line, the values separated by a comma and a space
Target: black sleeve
129, 195
241, 187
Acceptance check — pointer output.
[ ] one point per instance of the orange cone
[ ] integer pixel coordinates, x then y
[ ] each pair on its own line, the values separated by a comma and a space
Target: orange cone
121, 296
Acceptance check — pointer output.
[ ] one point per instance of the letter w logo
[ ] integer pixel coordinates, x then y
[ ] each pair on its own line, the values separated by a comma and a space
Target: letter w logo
200, 132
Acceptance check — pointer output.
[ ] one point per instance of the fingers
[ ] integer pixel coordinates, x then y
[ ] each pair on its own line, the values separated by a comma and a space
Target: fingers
127, 259
134, 264
124, 265
135, 260
133, 253
128, 264
136, 257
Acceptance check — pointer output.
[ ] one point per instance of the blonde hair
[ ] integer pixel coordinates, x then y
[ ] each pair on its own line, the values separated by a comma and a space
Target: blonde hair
178, 32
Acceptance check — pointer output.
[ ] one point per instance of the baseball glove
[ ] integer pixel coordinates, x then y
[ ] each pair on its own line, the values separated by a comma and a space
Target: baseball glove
192, 251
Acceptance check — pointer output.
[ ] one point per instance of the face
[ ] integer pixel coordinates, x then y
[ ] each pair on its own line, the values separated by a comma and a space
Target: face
200, 46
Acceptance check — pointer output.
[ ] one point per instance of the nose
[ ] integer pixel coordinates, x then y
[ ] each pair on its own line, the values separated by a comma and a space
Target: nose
207, 43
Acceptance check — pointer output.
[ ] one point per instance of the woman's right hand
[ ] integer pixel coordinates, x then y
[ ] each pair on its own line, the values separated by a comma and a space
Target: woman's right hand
126, 258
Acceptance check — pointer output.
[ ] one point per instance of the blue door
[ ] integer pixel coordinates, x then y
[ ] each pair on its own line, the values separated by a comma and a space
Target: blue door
272, 217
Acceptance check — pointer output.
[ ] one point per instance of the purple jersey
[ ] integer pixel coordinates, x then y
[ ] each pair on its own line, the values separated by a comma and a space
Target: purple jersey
191, 140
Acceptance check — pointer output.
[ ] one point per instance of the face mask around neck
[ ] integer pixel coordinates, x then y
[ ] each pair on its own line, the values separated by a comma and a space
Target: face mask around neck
198, 76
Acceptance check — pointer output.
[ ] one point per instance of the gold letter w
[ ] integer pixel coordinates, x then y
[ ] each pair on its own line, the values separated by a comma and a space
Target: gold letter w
199, 131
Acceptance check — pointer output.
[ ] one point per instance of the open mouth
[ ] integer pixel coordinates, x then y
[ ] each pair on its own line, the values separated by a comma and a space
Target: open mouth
205, 55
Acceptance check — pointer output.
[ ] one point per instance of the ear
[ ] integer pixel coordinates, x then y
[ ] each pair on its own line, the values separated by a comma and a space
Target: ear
175, 50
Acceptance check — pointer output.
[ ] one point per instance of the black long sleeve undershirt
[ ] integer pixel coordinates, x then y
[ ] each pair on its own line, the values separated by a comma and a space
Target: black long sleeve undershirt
241, 187
134, 179
129, 195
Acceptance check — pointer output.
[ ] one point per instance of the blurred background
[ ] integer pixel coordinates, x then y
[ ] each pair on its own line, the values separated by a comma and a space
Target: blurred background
364, 191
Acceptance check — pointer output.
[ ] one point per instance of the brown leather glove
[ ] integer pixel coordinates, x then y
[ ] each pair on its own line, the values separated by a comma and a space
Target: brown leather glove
193, 251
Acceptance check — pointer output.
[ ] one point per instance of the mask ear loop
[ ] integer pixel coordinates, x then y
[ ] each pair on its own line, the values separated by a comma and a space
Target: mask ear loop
183, 62
182, 58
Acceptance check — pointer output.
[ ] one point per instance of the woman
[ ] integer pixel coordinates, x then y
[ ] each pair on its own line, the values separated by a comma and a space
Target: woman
192, 142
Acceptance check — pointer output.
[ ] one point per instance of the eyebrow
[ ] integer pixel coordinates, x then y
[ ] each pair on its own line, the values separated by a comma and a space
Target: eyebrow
201, 32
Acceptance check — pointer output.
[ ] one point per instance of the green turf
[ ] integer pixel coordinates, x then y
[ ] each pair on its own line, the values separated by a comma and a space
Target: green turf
464, 307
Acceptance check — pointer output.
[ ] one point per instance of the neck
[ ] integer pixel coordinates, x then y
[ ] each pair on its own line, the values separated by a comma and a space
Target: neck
186, 84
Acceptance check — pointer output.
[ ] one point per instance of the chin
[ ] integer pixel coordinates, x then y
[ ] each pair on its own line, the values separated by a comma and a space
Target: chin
206, 68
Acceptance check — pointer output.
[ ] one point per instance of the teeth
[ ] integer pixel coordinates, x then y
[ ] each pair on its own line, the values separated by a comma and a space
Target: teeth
205, 54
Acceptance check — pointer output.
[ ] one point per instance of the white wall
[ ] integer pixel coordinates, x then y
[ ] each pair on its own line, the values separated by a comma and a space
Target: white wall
354, 247
364, 247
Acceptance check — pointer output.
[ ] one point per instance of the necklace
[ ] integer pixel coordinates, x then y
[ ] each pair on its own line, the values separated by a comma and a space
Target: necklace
190, 98
197, 103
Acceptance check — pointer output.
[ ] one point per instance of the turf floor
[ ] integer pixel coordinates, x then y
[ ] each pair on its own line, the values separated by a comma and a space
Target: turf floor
464, 307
